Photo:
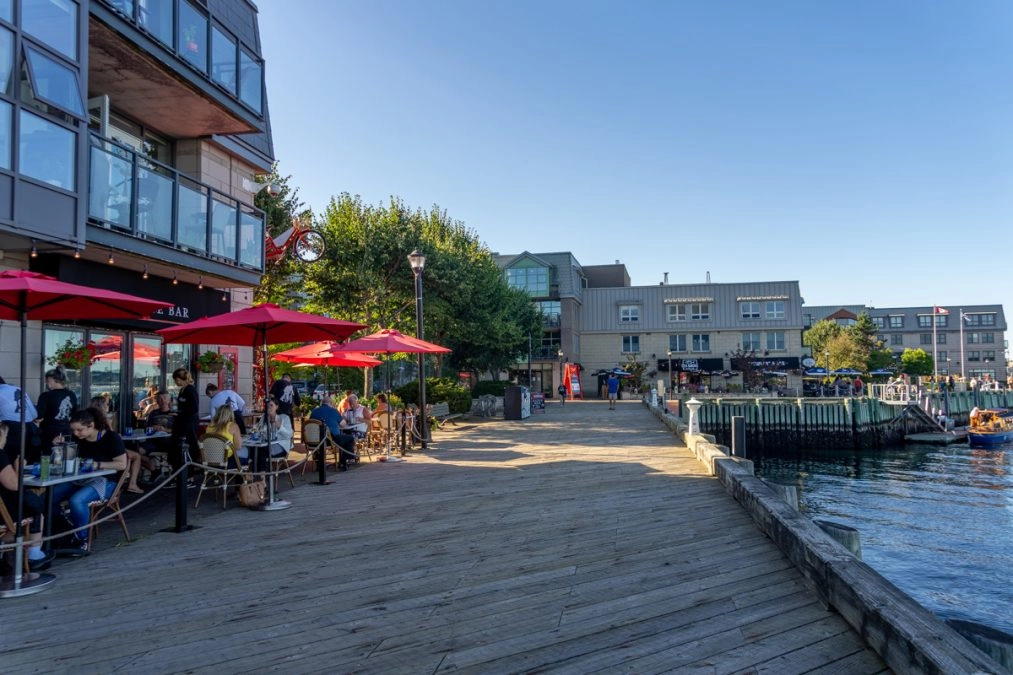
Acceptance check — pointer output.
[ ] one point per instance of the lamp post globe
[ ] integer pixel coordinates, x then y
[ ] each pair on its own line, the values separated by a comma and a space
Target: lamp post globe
417, 260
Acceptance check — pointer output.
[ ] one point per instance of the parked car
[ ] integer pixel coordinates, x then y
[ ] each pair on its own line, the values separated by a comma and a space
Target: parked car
300, 386
322, 389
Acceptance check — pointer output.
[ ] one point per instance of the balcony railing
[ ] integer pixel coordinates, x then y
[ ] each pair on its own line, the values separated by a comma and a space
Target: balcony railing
543, 353
134, 194
550, 320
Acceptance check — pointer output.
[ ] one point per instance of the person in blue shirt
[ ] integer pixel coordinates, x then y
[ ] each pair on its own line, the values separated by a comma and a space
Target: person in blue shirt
613, 386
327, 413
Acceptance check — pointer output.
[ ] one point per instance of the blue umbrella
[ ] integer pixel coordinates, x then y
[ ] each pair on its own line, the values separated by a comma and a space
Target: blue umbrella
816, 372
847, 371
881, 372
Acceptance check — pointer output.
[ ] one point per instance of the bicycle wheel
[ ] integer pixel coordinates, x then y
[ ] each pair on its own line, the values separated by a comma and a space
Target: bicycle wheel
310, 246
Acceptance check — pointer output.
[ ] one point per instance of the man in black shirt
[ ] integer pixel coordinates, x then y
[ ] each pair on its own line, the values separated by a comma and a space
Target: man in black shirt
286, 395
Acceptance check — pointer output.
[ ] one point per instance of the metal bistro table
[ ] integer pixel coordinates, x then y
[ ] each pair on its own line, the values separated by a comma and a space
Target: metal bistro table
272, 504
137, 438
31, 481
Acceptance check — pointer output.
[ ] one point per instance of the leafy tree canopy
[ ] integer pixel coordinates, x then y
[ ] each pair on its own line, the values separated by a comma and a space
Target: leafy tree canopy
916, 362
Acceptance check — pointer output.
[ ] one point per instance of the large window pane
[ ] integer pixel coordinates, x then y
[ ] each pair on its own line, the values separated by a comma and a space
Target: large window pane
47, 151
252, 82
154, 204
6, 62
6, 132
193, 36
155, 16
193, 218
7, 10
111, 190
251, 239
223, 59
106, 368
146, 367
223, 229
53, 22
55, 83
53, 340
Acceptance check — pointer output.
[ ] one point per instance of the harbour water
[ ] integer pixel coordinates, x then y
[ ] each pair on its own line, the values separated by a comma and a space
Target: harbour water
935, 521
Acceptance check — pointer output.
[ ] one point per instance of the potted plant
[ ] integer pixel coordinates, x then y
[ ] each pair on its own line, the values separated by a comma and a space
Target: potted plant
190, 39
72, 355
212, 362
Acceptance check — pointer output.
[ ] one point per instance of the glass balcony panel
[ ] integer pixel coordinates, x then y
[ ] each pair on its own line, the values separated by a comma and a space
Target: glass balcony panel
47, 151
111, 191
6, 61
252, 82
155, 16
223, 229
154, 202
251, 239
192, 44
192, 218
223, 59
123, 7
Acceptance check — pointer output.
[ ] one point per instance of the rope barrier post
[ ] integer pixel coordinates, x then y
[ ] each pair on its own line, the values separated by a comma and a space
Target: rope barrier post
321, 459
181, 525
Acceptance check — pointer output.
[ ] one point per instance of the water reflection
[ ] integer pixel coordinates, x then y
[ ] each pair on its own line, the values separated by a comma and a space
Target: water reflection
936, 521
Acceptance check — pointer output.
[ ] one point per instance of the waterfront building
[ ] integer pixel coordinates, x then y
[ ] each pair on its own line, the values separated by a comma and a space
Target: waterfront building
593, 316
132, 132
983, 329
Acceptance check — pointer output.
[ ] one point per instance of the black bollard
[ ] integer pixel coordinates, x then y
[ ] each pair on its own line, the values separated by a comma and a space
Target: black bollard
321, 460
738, 436
181, 525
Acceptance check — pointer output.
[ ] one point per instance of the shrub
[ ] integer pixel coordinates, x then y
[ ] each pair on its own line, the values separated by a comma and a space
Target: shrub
438, 389
490, 387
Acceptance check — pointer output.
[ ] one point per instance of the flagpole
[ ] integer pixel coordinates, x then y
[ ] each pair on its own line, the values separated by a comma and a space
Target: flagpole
962, 359
935, 351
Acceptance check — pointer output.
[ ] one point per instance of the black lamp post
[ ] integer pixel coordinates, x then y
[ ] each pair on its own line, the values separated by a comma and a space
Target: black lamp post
670, 387
561, 380
418, 262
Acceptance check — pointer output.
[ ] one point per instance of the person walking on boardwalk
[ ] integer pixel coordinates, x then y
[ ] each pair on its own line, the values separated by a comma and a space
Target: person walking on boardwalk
562, 393
613, 387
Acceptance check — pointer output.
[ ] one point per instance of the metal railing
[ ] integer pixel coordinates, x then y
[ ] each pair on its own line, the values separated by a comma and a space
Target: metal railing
132, 193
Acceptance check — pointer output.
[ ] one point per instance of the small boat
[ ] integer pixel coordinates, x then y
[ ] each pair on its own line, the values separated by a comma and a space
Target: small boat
990, 427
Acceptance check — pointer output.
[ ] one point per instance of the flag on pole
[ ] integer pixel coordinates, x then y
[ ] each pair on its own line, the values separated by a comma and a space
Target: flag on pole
940, 310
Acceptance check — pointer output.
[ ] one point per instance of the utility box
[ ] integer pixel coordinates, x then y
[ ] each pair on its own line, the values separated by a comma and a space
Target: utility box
516, 403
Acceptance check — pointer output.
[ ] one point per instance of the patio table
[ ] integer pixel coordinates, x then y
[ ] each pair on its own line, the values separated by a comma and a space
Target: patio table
31, 481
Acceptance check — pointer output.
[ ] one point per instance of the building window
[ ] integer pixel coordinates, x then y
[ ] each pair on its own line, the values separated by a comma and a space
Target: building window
775, 309
629, 313
675, 312
881, 339
699, 311
631, 344
988, 338
251, 81
702, 342
925, 338
550, 311
980, 338
987, 319
988, 356
942, 356
807, 320
896, 340
974, 356
879, 322
6, 62
677, 343
155, 16
54, 83
749, 310
532, 280
47, 151
925, 322
223, 59
691, 311
192, 42
896, 322
53, 22
7, 10
940, 338
775, 340
750, 341
5, 135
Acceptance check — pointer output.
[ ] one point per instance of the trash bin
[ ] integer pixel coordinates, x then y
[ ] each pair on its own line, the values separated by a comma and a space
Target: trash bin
516, 403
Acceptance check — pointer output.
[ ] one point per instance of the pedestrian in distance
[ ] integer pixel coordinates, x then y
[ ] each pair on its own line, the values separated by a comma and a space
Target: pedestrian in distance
613, 388
562, 394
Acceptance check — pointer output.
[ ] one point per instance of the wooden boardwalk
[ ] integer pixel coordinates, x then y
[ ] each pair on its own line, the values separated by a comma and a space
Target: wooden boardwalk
577, 541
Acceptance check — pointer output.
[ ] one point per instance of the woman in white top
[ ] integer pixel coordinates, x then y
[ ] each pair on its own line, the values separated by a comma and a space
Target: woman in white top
356, 418
281, 435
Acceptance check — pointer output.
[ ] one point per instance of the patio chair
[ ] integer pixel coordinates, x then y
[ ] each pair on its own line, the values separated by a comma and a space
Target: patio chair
214, 454
7, 528
317, 438
98, 507
280, 464
380, 432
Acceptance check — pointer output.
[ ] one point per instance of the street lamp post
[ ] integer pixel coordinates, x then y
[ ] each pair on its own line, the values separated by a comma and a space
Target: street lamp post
827, 354
670, 370
418, 262
561, 381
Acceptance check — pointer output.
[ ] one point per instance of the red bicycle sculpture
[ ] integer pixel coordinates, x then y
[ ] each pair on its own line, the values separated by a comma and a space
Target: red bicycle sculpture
308, 244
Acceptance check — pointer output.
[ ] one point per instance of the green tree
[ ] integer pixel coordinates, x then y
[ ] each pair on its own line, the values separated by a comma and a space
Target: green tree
818, 338
365, 276
916, 362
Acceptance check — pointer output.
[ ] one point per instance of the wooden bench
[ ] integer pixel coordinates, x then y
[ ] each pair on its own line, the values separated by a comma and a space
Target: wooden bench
440, 414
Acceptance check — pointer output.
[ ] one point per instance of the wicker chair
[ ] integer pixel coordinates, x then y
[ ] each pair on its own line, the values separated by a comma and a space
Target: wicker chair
215, 454
7, 528
317, 438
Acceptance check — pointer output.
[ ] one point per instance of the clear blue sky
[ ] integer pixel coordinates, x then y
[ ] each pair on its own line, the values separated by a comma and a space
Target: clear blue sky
862, 147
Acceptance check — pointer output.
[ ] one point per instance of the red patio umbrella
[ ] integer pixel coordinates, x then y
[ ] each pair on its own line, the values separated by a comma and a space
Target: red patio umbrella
389, 341
323, 354
260, 325
28, 295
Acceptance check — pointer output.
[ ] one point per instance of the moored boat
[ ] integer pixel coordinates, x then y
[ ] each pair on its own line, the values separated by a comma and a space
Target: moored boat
990, 427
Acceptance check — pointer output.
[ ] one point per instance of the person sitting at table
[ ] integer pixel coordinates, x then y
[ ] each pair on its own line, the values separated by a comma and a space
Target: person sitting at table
158, 421
55, 407
11, 413
356, 419
223, 423
101, 402
343, 403
220, 397
97, 442
148, 403
381, 405
281, 435
33, 503
329, 415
